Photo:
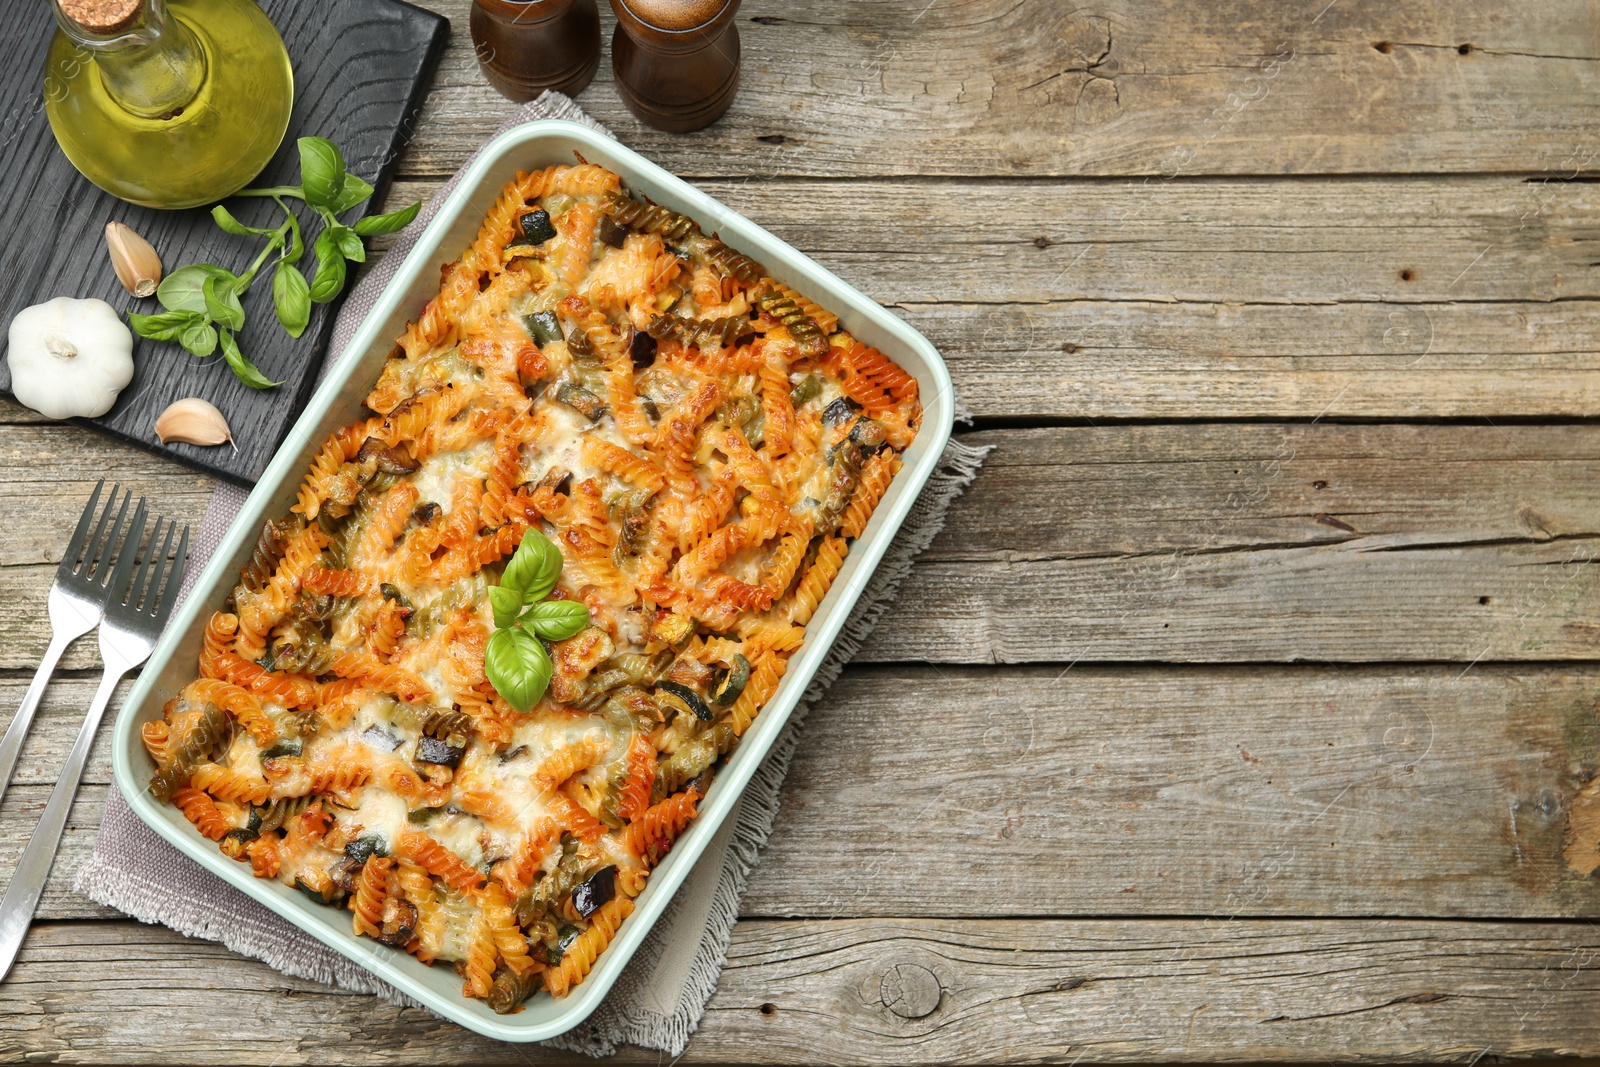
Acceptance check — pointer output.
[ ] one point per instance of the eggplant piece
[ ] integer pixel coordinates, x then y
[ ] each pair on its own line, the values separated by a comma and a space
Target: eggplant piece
584, 402
424, 513
433, 750
345, 873
423, 816
868, 434
838, 411
385, 458
591, 894
611, 233
732, 685
382, 740
688, 698
514, 753
292, 747
399, 922
543, 327
536, 228
643, 349
365, 847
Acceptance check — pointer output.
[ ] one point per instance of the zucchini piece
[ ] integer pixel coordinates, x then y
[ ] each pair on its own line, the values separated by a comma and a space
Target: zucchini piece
584, 402
808, 389
543, 327
684, 698
365, 847
733, 683
292, 747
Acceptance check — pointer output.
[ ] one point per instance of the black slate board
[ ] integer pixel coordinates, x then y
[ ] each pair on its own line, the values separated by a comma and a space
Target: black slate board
360, 68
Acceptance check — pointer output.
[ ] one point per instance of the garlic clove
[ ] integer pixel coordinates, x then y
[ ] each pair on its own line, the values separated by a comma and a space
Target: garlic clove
193, 421
132, 257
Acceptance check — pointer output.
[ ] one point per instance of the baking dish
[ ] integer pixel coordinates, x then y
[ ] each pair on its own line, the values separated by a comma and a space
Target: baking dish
338, 401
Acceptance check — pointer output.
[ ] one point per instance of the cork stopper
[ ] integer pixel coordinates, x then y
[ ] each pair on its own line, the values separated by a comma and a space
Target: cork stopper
103, 18
676, 16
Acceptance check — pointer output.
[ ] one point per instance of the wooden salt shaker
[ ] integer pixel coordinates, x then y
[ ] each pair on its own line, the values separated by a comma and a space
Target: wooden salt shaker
527, 46
676, 61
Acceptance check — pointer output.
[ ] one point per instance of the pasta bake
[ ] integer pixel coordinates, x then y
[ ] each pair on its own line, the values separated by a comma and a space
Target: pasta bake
702, 444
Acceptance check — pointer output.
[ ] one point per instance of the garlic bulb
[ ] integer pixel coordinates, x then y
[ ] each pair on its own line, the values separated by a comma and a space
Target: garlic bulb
194, 421
69, 358
135, 261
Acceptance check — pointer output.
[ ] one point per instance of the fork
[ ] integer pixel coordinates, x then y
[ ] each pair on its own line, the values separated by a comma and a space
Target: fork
77, 602
133, 620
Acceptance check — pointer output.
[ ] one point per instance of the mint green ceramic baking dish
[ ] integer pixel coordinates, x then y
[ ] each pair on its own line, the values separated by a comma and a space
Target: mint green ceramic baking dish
338, 402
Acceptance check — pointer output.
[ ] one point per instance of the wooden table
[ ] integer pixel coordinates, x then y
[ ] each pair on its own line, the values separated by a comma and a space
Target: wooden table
1247, 704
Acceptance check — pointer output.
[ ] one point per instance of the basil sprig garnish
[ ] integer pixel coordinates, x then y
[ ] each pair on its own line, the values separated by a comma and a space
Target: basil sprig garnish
516, 660
203, 311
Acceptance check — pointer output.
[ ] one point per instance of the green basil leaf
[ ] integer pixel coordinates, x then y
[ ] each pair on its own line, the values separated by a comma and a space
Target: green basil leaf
556, 620
321, 171
243, 369
518, 667
200, 339
291, 299
506, 603
348, 242
222, 303
167, 326
297, 244
534, 567
329, 280
224, 218
394, 222
354, 190
182, 289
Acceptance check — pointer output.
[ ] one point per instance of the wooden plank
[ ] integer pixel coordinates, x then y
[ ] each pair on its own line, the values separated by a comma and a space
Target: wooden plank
1146, 87
1472, 543
887, 991
1438, 297
1196, 791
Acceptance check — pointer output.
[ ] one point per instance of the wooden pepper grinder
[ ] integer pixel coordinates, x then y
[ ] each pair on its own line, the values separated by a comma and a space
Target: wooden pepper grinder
527, 46
676, 61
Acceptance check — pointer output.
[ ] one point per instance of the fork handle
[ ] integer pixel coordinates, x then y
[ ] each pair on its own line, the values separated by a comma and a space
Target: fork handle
27, 883
11, 744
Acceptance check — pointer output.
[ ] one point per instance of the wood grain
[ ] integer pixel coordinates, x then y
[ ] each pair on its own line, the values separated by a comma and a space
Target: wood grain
814, 991
360, 70
1250, 563
1421, 791
1144, 87
1222, 299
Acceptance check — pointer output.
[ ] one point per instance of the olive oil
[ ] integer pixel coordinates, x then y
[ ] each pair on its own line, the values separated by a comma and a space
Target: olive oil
172, 104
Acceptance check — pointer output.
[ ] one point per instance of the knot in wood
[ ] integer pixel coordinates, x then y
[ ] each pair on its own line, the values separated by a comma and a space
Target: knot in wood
910, 990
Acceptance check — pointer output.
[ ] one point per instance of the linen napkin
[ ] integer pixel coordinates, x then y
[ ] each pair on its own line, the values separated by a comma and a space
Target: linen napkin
660, 997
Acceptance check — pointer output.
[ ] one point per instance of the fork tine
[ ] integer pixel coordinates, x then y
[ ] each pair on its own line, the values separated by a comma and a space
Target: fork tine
152, 595
141, 581
99, 547
174, 577
125, 558
69, 559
